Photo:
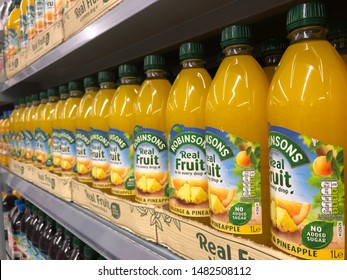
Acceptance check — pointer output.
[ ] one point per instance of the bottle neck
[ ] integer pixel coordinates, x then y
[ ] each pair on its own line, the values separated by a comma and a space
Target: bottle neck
307, 33
44, 101
91, 89
193, 63
64, 96
128, 81
238, 50
29, 104
76, 93
53, 99
107, 85
36, 102
16, 107
340, 45
22, 105
272, 60
155, 74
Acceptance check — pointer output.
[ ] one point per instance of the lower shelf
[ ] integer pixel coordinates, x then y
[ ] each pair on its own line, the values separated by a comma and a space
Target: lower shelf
104, 237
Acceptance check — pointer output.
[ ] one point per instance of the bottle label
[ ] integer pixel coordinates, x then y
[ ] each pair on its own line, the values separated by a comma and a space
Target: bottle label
23, 246
13, 144
122, 163
13, 42
150, 166
100, 154
84, 163
68, 152
31, 22
30, 146
49, 11
56, 150
39, 15
23, 145
23, 31
307, 195
43, 149
18, 145
233, 168
14, 242
41, 257
32, 251
61, 7
7, 144
188, 175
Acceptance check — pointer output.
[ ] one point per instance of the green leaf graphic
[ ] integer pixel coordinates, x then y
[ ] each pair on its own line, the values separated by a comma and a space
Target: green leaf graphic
257, 152
248, 151
253, 160
329, 155
336, 168
339, 157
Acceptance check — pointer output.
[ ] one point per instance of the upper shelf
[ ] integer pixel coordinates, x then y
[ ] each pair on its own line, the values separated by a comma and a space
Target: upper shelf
131, 30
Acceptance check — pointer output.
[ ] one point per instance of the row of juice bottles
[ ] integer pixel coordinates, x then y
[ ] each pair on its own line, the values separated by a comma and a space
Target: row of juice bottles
33, 235
23, 20
209, 148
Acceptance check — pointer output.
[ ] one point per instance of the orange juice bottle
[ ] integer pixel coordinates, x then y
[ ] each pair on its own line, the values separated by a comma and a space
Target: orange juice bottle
236, 141
30, 130
47, 127
40, 23
99, 144
83, 120
6, 34
121, 124
31, 29
60, 8
307, 141
13, 30
49, 12
150, 134
64, 95
23, 24
18, 127
185, 120
68, 129
23, 126
6, 126
40, 135
338, 37
13, 137
2, 138
271, 53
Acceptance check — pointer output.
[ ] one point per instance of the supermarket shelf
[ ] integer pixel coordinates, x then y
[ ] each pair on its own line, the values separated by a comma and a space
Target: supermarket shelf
104, 237
131, 30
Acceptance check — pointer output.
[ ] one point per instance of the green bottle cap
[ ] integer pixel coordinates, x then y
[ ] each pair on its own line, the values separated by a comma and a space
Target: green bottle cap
76, 242
16, 102
40, 213
67, 233
127, 70
48, 219
274, 46
306, 14
52, 92
28, 204
337, 30
236, 35
34, 97
63, 89
89, 252
43, 95
17, 2
191, 50
28, 99
154, 62
106, 77
22, 101
91, 81
58, 226
34, 209
75, 85
101, 258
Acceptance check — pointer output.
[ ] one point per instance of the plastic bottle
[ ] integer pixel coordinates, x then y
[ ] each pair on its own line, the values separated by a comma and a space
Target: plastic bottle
7, 138
22, 126
49, 12
47, 127
16, 239
14, 210
77, 249
56, 242
37, 231
83, 120
32, 252
24, 223
2, 143
2, 15
236, 141
17, 128
337, 36
13, 137
307, 140
7, 205
65, 250
64, 95
185, 121
13, 31
68, 129
46, 237
60, 8
271, 53
150, 126
89, 253
6, 30
30, 129
40, 138
121, 124
23, 25
99, 143
40, 23
31, 29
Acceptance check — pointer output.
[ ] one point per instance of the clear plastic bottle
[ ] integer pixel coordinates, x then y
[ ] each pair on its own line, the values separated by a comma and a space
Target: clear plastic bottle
23, 25
16, 238
89, 253
30, 130
25, 221
56, 242
65, 250
31, 29
40, 135
40, 23
32, 252
77, 249
46, 237
337, 36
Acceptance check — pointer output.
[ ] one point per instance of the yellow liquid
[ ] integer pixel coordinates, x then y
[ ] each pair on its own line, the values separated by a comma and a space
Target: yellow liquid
13, 31
236, 104
121, 118
2, 142
67, 126
13, 133
23, 126
344, 57
56, 134
30, 132
23, 28
308, 95
83, 123
99, 126
150, 112
7, 146
39, 123
270, 71
18, 128
186, 106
